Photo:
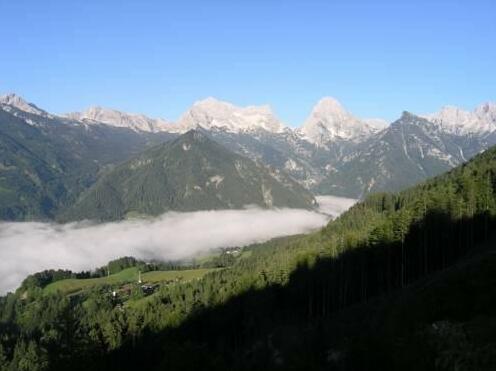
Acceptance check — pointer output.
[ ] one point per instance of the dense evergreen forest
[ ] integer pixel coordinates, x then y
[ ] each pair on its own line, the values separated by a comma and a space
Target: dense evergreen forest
401, 281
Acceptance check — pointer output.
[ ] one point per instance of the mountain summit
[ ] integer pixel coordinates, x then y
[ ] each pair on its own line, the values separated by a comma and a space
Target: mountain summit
15, 101
329, 121
211, 114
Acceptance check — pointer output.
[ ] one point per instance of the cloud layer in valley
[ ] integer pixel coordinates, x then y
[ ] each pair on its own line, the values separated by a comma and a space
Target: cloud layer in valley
334, 206
29, 247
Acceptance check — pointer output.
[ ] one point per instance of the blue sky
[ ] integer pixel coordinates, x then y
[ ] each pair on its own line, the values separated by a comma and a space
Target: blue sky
158, 57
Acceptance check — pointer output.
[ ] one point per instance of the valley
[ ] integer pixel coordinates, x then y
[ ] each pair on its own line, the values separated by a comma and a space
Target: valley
419, 262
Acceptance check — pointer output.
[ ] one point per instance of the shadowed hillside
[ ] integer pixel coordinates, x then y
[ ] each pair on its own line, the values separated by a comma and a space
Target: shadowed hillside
400, 281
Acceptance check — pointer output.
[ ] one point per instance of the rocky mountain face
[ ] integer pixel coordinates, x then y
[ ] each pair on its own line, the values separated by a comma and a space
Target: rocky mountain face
111, 117
410, 150
480, 122
336, 153
413, 149
15, 104
193, 172
328, 135
333, 152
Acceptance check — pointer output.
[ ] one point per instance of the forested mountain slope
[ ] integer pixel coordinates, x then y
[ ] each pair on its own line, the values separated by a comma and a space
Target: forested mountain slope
191, 173
46, 161
401, 281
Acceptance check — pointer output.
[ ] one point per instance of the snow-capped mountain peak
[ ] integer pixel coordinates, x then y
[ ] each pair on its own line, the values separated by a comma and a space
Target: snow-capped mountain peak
14, 100
108, 116
329, 106
456, 121
329, 121
213, 114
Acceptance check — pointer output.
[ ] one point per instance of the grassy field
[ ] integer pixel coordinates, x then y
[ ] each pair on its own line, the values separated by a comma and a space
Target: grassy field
183, 275
71, 286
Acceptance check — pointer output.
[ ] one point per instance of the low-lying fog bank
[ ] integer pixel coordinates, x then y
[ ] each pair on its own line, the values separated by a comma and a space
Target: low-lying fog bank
29, 247
334, 206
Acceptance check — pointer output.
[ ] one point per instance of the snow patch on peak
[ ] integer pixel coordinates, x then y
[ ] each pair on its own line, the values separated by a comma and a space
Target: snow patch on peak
330, 121
211, 113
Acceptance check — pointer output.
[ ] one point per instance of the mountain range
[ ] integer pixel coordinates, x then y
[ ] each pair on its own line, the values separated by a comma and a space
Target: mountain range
334, 152
51, 160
